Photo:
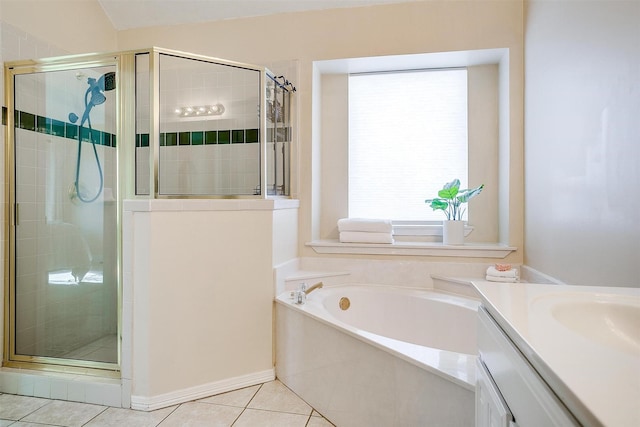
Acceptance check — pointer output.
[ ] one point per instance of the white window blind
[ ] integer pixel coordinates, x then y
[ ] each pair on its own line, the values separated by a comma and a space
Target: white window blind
407, 138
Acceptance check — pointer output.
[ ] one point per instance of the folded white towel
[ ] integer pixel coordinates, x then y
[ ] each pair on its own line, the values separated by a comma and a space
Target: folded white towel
365, 224
365, 237
513, 273
491, 278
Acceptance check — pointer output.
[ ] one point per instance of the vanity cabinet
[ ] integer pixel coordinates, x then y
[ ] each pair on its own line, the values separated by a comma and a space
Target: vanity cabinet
509, 391
491, 409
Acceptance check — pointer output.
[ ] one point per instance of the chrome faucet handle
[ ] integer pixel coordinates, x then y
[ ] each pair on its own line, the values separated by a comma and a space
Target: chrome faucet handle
300, 296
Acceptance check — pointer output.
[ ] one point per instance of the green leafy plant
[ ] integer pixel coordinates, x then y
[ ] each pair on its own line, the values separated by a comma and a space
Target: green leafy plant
451, 198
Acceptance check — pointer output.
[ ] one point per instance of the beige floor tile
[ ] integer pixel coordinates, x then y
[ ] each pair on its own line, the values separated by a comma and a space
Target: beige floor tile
23, 424
118, 417
69, 414
238, 398
202, 414
14, 407
274, 396
257, 417
5, 423
319, 422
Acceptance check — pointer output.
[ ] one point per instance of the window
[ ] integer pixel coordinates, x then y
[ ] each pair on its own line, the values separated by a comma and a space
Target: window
407, 137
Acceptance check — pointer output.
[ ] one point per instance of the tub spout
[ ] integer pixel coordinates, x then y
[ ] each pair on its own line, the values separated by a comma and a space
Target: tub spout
313, 288
300, 296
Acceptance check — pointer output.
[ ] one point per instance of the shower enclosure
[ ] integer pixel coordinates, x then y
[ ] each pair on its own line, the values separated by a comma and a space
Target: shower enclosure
83, 133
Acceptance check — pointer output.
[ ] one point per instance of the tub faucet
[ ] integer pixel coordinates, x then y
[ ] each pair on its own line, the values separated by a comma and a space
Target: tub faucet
300, 296
312, 288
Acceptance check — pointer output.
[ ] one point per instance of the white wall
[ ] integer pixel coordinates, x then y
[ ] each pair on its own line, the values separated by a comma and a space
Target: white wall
76, 26
198, 278
582, 140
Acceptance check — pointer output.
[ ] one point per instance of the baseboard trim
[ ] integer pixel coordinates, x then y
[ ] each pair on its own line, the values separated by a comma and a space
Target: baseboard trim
145, 403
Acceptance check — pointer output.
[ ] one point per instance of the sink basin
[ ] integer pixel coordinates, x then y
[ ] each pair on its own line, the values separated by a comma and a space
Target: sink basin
605, 321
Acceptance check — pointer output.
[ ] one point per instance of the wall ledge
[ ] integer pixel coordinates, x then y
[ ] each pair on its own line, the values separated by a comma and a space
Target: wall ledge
468, 250
177, 205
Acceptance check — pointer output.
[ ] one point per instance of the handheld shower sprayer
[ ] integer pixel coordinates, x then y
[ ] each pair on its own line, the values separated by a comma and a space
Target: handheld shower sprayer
92, 97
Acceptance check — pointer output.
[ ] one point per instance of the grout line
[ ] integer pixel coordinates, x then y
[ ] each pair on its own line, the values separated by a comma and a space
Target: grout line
238, 417
168, 415
254, 396
97, 415
35, 410
247, 405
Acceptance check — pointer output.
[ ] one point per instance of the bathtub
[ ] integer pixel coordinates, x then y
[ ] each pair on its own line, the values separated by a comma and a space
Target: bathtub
394, 357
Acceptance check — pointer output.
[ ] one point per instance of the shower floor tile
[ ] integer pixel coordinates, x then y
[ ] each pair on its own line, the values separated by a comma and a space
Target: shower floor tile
268, 404
104, 349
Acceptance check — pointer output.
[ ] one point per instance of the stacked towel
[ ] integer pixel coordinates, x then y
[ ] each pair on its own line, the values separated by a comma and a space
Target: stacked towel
365, 225
503, 273
365, 237
364, 230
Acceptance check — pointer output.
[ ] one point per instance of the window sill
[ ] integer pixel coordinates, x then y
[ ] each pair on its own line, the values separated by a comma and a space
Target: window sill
423, 230
468, 250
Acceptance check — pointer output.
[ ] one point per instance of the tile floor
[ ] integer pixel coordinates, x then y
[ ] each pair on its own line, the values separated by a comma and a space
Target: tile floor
264, 405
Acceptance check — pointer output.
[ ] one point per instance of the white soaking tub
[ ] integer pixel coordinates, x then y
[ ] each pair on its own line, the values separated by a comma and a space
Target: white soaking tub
394, 357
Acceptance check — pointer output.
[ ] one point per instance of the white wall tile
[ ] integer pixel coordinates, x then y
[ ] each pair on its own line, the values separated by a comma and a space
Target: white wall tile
76, 391
58, 389
9, 382
26, 385
42, 387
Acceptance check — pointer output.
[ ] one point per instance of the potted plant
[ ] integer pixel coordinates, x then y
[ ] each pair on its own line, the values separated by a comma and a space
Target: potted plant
450, 200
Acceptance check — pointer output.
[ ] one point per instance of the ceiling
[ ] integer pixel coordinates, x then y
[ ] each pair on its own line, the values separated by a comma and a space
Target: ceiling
129, 14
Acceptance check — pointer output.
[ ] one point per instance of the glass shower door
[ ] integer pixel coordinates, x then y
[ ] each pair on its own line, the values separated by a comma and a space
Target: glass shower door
64, 290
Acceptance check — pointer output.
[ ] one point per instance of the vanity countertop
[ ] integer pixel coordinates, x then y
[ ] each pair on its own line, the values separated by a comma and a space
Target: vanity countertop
584, 341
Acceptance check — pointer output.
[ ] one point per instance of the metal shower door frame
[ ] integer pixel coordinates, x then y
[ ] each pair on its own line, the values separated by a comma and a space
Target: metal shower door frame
10, 358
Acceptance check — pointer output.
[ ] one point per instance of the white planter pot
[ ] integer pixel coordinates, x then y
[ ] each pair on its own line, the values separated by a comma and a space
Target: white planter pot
453, 232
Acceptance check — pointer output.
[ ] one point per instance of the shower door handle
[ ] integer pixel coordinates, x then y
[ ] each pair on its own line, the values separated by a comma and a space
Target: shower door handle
16, 216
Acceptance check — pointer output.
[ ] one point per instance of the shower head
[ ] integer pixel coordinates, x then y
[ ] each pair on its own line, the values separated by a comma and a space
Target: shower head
97, 97
107, 81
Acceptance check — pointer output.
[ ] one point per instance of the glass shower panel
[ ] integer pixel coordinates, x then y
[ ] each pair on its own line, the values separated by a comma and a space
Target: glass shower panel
143, 113
209, 128
278, 138
65, 237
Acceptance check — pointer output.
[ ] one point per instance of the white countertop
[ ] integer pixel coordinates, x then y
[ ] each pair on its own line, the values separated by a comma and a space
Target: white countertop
584, 341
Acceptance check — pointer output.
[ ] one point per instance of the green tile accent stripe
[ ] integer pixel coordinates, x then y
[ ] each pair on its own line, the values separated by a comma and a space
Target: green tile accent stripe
48, 126
209, 137
197, 138
224, 136
184, 138
172, 139
237, 136
251, 135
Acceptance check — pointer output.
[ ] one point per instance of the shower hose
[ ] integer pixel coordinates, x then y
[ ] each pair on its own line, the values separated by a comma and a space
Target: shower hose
86, 117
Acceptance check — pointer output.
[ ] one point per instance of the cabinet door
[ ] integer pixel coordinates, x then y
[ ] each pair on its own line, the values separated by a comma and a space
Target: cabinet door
491, 409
